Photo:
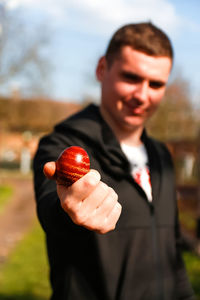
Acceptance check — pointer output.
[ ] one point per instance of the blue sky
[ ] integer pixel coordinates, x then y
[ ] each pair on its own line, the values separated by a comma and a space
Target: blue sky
81, 29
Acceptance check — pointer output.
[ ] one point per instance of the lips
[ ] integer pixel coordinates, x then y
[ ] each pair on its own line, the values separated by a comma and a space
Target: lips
135, 109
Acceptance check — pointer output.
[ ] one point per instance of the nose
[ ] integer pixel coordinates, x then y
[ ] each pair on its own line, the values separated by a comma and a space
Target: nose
141, 91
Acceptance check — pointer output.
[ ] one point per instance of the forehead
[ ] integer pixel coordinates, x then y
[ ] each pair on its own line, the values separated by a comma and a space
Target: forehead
131, 60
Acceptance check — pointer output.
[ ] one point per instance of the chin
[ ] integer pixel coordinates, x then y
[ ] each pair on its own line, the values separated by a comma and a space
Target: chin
132, 127
133, 122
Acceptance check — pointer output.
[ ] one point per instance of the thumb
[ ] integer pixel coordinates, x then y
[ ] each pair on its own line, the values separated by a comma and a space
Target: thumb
49, 170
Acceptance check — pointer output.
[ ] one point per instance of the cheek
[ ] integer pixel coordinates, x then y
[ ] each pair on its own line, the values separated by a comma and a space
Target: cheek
157, 98
114, 92
154, 102
123, 89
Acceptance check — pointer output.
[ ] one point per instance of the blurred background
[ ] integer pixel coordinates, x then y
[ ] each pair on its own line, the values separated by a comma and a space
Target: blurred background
48, 55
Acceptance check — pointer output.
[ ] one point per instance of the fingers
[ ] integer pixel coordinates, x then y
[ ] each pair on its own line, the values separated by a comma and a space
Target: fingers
83, 212
49, 169
111, 220
80, 189
72, 198
96, 197
85, 185
91, 203
105, 217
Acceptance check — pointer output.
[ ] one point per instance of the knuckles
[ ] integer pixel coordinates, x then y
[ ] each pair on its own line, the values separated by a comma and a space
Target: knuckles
113, 195
92, 222
79, 218
91, 180
95, 219
106, 228
75, 211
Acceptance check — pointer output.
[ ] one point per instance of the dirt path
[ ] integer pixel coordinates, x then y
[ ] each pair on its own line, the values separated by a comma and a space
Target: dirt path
18, 215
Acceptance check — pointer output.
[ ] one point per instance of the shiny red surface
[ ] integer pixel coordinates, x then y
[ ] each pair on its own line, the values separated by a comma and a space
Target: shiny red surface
71, 165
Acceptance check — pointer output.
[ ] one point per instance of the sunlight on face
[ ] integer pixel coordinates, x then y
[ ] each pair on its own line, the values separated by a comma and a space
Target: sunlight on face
132, 88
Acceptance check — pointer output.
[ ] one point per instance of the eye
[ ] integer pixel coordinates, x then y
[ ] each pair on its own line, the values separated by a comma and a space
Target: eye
131, 77
156, 84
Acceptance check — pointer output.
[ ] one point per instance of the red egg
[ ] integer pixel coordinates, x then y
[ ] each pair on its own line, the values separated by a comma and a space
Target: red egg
71, 165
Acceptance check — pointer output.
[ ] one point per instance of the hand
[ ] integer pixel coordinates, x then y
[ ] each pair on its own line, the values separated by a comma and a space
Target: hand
89, 202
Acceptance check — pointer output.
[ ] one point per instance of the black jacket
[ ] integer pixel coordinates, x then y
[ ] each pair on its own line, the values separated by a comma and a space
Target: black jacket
141, 258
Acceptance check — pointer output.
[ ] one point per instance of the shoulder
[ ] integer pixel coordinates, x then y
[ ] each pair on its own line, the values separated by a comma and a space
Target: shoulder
160, 147
69, 132
87, 115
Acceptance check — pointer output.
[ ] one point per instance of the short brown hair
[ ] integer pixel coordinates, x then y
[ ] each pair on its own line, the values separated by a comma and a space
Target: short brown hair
144, 37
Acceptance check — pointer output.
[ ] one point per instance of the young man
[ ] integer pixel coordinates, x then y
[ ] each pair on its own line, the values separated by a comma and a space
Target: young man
114, 234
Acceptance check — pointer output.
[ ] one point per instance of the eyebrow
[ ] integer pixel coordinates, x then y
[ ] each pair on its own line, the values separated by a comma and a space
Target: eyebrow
131, 75
138, 78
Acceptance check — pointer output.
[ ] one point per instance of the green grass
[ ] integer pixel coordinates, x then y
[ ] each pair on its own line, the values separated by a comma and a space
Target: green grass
25, 274
193, 267
5, 195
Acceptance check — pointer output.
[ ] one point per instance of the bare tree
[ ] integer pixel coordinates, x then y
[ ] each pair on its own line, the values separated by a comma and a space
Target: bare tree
22, 54
176, 117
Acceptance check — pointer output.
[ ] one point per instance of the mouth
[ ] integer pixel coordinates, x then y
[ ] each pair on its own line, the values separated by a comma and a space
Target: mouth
135, 109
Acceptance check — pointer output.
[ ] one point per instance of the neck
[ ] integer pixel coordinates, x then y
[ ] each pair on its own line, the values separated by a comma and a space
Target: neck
133, 139
128, 136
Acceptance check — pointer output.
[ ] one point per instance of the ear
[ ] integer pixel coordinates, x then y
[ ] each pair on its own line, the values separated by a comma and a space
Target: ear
101, 68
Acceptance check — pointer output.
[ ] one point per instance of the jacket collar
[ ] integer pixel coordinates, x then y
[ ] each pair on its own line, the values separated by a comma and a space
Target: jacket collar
90, 124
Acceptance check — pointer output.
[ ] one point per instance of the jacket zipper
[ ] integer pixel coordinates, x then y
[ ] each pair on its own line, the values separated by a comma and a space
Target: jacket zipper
155, 249
156, 256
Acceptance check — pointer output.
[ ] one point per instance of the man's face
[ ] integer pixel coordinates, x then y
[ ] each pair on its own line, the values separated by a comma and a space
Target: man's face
132, 87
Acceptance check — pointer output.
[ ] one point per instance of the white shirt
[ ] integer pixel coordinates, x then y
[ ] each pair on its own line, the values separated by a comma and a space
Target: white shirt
138, 159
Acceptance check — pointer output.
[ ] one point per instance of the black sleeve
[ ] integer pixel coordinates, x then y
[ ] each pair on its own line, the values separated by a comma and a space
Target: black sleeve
52, 217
